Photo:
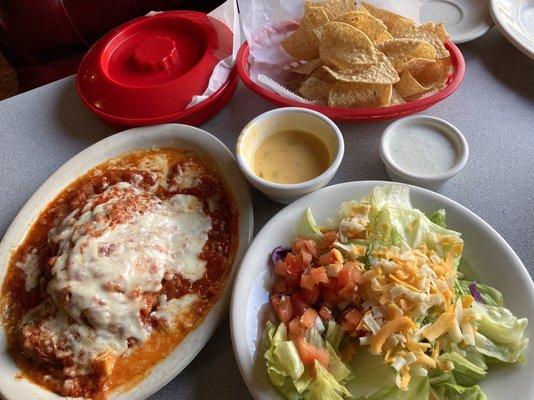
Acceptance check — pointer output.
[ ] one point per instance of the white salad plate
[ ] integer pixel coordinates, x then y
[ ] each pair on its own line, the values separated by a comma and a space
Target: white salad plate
492, 260
515, 19
169, 135
465, 20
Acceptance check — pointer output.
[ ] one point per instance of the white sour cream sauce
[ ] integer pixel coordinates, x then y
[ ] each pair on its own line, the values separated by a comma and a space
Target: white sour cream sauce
423, 150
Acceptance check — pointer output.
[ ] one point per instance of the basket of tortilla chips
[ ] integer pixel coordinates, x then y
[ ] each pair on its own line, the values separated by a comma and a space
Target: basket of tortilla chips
357, 63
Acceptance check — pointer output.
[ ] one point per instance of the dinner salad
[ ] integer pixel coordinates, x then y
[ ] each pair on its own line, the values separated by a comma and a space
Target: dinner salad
376, 304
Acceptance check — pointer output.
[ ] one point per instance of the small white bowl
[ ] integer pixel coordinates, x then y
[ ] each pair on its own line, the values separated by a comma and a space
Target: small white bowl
278, 120
429, 181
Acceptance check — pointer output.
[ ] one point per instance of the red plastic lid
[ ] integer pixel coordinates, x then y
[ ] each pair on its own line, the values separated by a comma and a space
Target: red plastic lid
151, 67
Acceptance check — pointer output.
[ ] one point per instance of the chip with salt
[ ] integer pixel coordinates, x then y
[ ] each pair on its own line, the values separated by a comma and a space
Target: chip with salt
366, 23
358, 95
344, 46
383, 37
307, 68
408, 86
430, 37
303, 44
396, 98
435, 74
336, 7
415, 65
437, 29
394, 22
399, 51
382, 72
316, 89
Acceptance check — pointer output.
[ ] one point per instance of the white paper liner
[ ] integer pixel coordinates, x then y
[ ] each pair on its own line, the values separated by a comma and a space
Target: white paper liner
281, 90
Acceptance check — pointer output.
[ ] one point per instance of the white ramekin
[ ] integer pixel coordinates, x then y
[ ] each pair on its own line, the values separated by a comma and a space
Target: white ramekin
435, 181
282, 119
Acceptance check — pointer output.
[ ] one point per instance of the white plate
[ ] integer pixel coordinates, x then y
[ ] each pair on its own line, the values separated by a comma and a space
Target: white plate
465, 20
491, 258
515, 19
170, 135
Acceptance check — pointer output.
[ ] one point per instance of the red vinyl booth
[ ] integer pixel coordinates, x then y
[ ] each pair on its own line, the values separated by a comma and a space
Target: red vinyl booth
45, 40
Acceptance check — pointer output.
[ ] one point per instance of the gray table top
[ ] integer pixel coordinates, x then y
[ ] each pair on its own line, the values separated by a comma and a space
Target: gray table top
494, 108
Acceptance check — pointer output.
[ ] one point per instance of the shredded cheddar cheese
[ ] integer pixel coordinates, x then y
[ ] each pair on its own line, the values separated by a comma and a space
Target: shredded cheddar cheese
401, 288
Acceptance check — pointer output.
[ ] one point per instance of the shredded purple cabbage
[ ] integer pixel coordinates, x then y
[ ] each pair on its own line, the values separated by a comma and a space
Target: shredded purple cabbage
476, 294
279, 254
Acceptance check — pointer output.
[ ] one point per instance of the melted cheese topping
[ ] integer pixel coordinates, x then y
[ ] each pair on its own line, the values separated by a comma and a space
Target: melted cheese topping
30, 267
122, 244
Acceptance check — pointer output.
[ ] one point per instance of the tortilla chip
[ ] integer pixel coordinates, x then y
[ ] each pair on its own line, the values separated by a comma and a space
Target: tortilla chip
362, 9
381, 73
430, 37
337, 7
435, 74
315, 89
415, 65
344, 46
358, 95
419, 95
366, 23
307, 68
383, 37
399, 51
303, 44
393, 21
437, 29
409, 86
396, 98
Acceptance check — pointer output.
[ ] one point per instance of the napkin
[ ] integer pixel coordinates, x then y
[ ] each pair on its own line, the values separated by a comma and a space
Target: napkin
227, 13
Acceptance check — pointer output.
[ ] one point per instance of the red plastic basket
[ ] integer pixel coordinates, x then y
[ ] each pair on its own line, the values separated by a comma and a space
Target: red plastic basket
360, 114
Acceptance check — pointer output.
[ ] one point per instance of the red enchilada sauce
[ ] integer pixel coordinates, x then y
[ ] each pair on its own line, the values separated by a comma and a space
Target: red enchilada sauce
180, 172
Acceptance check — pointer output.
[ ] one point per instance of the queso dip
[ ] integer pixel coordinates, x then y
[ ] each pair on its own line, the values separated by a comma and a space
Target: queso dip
290, 156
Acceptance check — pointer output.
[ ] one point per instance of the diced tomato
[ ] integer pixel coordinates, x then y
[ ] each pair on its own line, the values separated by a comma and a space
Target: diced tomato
324, 259
296, 329
351, 320
312, 277
299, 304
305, 244
348, 292
325, 313
293, 264
356, 275
306, 281
283, 307
281, 268
332, 257
333, 284
309, 353
292, 282
280, 287
331, 297
319, 275
308, 318
348, 277
305, 257
311, 296
329, 238
344, 277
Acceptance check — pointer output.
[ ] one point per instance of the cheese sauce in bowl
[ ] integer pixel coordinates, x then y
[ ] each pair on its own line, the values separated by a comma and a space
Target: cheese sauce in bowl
423, 150
291, 156
289, 152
